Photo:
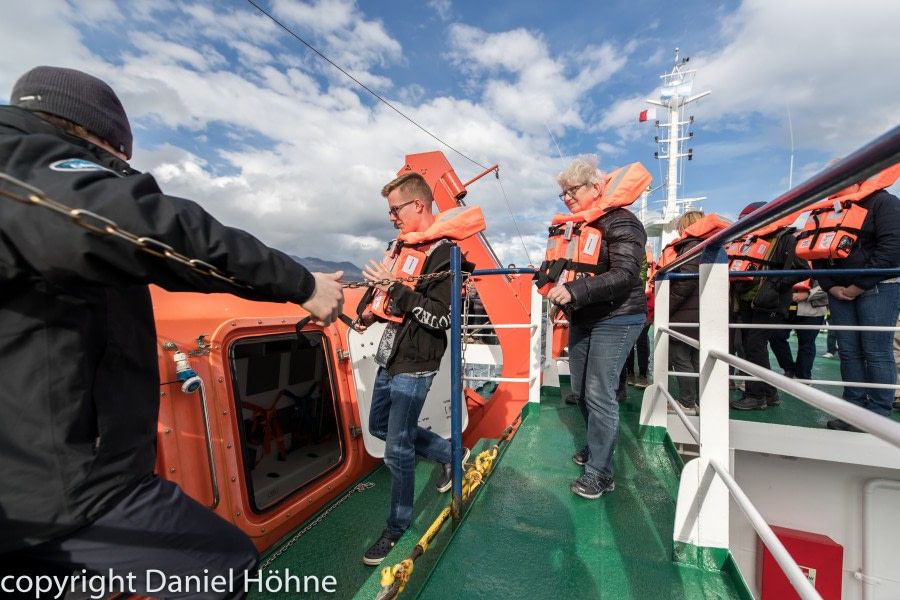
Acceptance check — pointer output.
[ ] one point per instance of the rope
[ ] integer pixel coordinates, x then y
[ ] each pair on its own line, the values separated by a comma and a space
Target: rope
360, 84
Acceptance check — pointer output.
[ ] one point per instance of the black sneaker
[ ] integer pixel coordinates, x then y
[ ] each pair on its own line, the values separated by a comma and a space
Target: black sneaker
446, 480
582, 456
592, 486
773, 400
749, 403
842, 426
622, 394
571, 399
380, 549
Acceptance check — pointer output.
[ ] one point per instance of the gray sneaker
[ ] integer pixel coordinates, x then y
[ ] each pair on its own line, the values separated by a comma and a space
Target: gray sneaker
582, 456
641, 382
592, 486
749, 403
446, 481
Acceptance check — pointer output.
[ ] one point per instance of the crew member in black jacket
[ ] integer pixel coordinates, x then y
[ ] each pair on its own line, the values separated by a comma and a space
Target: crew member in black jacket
606, 314
79, 350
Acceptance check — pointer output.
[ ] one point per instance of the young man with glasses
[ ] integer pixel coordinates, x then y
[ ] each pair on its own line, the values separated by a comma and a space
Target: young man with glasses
408, 358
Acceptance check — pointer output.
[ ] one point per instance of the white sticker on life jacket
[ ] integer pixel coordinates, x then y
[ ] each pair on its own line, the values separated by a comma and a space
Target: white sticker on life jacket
376, 301
410, 264
590, 244
825, 240
763, 247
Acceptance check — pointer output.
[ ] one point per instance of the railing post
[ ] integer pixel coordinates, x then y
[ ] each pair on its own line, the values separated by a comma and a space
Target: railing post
536, 365
701, 516
456, 380
713, 389
653, 406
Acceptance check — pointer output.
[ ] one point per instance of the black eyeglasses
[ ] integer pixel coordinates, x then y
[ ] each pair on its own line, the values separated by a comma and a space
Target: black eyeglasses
571, 192
396, 209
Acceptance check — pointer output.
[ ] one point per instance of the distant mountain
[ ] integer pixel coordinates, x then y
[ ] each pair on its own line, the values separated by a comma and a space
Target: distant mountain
351, 271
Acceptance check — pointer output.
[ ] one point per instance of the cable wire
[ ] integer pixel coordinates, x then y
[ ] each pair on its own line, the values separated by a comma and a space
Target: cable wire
360, 84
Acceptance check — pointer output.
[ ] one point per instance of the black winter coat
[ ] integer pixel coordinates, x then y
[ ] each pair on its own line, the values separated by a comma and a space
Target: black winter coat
618, 288
684, 294
878, 245
80, 393
775, 293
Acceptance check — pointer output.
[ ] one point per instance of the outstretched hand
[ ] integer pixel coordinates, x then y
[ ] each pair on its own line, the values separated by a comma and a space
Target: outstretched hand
327, 301
375, 271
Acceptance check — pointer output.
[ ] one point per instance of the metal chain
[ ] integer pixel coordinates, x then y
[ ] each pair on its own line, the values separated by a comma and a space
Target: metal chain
426, 277
360, 487
465, 327
104, 226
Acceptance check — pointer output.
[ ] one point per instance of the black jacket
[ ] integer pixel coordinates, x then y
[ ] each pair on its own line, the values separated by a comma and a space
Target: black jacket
878, 246
617, 289
77, 338
422, 339
684, 294
774, 294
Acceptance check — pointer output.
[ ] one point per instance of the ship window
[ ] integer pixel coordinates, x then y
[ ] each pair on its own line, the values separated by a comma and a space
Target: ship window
290, 425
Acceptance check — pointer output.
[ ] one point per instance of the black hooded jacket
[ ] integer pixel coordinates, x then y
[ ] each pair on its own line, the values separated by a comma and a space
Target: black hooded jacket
618, 288
77, 338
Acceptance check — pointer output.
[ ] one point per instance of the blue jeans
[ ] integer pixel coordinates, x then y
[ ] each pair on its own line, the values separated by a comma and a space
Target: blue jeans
806, 346
596, 357
397, 402
868, 355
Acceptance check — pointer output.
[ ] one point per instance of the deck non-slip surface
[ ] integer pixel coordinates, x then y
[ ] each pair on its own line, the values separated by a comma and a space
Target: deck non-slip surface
528, 536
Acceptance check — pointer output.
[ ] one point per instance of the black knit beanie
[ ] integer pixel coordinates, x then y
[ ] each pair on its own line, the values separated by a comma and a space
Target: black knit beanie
77, 97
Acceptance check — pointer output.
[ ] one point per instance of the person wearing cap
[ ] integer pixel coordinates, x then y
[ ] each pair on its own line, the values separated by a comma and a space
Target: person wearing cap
80, 397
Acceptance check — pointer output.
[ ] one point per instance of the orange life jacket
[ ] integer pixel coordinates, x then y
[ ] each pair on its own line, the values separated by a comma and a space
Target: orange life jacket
702, 229
834, 224
753, 251
405, 257
574, 242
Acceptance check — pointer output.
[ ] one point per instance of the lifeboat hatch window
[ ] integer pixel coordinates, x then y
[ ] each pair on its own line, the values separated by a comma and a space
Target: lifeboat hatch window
289, 435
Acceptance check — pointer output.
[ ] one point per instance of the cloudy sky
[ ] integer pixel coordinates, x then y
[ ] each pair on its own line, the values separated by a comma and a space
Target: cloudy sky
232, 111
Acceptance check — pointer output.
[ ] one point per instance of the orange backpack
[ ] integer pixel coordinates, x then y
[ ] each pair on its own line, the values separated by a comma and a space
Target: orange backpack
574, 242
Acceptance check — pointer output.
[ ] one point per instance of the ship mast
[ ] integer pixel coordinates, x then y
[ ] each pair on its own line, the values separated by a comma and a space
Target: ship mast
674, 96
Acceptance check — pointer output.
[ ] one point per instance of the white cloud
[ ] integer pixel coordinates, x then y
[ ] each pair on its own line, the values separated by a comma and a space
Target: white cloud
540, 93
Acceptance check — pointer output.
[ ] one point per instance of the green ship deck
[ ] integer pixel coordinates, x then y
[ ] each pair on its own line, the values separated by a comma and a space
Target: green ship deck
525, 534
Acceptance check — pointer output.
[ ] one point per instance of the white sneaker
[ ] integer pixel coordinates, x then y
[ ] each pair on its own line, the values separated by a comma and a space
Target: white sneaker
828, 355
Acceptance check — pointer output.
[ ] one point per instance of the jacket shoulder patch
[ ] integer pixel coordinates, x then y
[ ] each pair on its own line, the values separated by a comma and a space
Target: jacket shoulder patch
77, 165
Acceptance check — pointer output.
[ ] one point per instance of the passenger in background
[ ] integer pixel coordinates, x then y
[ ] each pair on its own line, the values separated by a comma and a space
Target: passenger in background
641, 349
831, 347
897, 361
684, 300
809, 303
606, 312
80, 396
764, 301
867, 300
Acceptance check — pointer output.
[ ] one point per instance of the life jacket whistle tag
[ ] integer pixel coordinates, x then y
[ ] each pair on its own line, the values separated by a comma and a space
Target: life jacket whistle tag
569, 227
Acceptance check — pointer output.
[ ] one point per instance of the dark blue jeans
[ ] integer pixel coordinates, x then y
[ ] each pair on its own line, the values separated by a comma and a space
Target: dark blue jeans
397, 402
868, 355
596, 357
806, 346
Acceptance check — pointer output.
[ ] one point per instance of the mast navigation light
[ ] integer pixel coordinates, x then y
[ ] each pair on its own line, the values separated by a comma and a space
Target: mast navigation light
690, 154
